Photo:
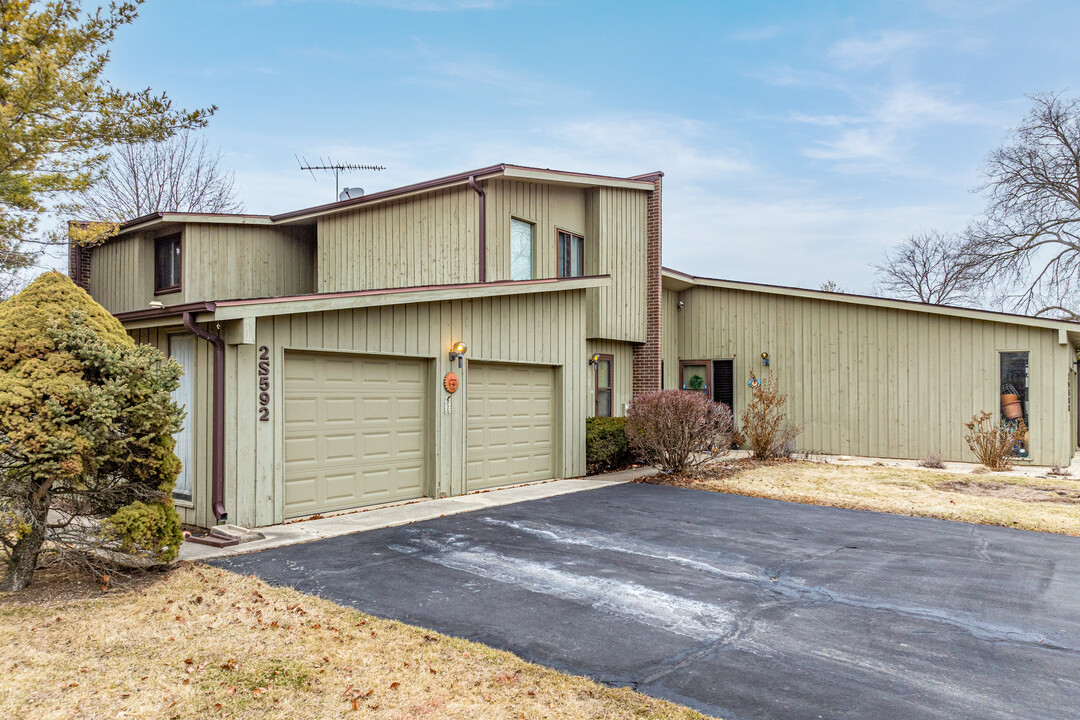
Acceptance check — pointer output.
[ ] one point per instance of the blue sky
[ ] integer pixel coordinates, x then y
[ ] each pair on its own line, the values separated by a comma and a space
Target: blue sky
799, 139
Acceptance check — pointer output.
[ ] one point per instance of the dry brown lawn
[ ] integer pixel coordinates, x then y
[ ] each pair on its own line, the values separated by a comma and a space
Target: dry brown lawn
204, 643
1041, 504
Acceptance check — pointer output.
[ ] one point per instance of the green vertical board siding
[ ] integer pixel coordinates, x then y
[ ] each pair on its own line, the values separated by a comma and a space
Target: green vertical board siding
220, 262
229, 261
874, 381
122, 274
432, 238
669, 331
425, 239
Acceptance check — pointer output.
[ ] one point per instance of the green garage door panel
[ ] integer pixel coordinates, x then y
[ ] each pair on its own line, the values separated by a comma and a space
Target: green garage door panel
355, 431
510, 418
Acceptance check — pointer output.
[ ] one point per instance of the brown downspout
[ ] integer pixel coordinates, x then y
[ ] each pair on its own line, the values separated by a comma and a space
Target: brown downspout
217, 461
483, 226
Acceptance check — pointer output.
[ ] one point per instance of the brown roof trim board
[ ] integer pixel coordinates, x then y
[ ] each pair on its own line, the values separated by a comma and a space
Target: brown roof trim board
686, 280
516, 171
165, 311
524, 172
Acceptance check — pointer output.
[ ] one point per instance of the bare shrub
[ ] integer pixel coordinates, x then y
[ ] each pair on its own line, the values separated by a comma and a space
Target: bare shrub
992, 442
678, 430
764, 422
932, 460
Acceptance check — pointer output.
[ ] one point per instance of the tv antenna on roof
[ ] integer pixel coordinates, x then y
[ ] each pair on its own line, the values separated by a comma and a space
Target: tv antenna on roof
337, 168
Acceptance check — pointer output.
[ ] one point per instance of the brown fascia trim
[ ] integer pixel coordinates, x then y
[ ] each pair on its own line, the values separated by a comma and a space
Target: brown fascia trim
382, 291
458, 178
164, 312
166, 215
840, 297
405, 190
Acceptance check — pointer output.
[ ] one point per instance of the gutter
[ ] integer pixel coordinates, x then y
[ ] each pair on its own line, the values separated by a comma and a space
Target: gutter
217, 463
483, 226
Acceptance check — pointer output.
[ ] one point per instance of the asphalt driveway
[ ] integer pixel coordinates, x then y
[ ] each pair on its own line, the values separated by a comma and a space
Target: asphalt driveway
739, 607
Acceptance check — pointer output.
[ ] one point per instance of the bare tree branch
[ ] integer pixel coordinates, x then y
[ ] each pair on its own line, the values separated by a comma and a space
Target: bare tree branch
928, 267
1027, 243
179, 174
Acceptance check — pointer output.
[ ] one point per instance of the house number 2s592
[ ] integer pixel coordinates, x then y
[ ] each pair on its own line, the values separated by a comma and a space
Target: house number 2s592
264, 383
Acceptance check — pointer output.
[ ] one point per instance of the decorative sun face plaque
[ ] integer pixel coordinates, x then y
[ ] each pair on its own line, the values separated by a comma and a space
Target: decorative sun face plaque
450, 382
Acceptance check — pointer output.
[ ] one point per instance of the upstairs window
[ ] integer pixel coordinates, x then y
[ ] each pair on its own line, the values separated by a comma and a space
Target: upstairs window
571, 255
522, 249
167, 264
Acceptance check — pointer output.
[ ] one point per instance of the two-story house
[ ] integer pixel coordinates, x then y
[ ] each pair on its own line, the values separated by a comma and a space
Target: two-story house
431, 340
454, 335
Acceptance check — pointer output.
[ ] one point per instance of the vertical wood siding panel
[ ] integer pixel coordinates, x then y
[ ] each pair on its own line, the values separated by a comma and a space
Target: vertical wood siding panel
870, 380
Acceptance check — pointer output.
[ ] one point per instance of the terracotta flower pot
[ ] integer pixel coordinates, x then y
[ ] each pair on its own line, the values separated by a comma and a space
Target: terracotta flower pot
1010, 406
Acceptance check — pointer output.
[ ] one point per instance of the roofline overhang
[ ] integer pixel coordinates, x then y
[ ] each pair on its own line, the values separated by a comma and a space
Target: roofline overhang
510, 171
223, 310
679, 281
520, 172
152, 220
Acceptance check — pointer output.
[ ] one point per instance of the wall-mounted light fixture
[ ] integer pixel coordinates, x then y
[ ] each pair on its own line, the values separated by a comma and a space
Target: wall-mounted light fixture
593, 359
458, 350
680, 306
765, 359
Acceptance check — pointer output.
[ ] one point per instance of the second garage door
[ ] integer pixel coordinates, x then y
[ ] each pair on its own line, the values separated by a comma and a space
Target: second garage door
510, 418
355, 431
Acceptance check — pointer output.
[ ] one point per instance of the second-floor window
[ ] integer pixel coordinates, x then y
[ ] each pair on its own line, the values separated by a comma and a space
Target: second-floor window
167, 264
522, 249
571, 255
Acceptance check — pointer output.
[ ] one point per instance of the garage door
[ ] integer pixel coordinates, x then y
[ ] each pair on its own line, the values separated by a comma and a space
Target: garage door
354, 431
510, 419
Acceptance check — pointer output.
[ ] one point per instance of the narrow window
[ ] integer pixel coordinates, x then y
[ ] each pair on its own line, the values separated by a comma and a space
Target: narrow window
571, 255
603, 385
1014, 394
695, 375
182, 349
167, 264
522, 249
724, 382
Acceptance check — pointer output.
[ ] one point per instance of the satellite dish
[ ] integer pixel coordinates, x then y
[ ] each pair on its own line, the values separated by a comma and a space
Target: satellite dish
350, 193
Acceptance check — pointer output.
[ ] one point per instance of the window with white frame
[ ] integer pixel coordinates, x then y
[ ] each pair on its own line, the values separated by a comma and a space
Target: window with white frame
522, 249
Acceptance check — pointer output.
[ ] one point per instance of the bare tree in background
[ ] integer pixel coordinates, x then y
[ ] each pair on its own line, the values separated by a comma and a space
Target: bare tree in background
928, 267
1027, 243
176, 175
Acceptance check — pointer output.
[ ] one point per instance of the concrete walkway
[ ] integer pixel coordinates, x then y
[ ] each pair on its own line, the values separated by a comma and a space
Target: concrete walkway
383, 516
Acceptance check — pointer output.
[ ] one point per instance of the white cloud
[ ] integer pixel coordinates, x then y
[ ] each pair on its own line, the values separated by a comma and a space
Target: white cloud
889, 126
868, 52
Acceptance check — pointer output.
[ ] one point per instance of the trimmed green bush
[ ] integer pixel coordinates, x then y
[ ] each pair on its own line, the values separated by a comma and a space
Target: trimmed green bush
87, 422
606, 445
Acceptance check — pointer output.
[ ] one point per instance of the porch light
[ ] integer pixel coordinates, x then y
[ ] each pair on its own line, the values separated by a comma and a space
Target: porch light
593, 359
458, 350
765, 359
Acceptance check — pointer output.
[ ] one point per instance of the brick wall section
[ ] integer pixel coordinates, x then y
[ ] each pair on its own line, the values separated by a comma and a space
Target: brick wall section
647, 355
79, 265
